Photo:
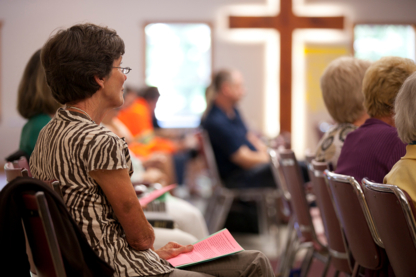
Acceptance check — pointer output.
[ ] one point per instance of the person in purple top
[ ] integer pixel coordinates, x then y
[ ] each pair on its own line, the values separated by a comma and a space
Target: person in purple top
373, 149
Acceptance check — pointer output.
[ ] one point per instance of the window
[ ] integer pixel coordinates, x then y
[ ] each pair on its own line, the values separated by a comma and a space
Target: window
178, 62
371, 41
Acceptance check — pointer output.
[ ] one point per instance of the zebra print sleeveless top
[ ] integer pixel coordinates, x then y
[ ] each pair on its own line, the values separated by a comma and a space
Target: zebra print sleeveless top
69, 147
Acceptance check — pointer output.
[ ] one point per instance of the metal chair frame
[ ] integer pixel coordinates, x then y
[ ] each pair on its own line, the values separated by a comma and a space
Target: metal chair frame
285, 263
349, 180
393, 212
404, 203
297, 233
316, 171
361, 198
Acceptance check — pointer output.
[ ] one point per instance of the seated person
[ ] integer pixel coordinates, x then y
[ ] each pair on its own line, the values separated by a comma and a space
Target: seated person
137, 117
34, 102
403, 172
158, 160
341, 85
242, 158
373, 149
185, 145
93, 165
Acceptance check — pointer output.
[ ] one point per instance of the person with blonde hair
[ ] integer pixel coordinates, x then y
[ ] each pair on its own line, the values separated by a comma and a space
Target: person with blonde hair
403, 173
373, 149
34, 102
341, 85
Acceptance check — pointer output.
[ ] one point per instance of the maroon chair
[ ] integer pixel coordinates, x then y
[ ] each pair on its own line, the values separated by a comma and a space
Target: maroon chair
341, 257
355, 218
41, 236
307, 236
393, 214
284, 266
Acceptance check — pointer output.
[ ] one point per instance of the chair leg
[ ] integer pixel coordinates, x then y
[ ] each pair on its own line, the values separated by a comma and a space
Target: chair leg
209, 211
284, 253
290, 258
221, 207
356, 270
291, 253
327, 263
307, 261
336, 274
262, 215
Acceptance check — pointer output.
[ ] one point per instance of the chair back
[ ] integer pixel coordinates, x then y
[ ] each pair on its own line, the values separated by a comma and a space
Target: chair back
299, 203
12, 172
309, 157
221, 199
41, 235
22, 163
56, 186
209, 156
280, 181
393, 214
340, 255
355, 218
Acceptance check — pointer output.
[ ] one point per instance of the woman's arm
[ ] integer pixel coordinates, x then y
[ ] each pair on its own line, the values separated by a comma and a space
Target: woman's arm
120, 193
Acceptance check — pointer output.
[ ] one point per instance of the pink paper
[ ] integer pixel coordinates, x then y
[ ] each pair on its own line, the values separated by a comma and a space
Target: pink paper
155, 194
219, 244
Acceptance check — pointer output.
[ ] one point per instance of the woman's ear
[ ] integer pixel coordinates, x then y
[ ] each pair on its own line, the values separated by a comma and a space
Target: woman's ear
100, 81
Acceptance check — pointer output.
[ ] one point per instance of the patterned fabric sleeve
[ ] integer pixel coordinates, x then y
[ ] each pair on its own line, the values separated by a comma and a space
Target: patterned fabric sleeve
107, 152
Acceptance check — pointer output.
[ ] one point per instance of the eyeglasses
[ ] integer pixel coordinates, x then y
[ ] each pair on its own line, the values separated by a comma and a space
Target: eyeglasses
124, 70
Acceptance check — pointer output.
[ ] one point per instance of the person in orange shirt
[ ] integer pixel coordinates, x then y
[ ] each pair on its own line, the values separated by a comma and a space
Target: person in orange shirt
137, 117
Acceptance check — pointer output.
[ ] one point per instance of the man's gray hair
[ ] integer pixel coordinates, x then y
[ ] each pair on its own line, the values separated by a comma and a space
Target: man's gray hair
221, 77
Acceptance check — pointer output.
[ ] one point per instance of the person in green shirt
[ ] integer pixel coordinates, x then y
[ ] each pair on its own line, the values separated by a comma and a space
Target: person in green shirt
34, 102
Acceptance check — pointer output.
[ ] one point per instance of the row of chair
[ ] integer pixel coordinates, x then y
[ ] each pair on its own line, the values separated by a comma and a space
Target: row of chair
363, 224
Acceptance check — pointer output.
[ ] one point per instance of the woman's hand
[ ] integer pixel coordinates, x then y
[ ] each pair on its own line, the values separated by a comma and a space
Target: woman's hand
173, 249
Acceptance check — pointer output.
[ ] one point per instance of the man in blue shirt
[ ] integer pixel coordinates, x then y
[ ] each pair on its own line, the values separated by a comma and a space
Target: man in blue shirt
242, 158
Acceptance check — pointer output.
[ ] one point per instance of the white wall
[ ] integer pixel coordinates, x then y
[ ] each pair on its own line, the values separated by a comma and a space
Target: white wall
28, 23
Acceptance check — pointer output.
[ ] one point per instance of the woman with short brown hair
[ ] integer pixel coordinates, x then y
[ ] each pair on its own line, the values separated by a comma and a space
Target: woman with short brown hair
83, 68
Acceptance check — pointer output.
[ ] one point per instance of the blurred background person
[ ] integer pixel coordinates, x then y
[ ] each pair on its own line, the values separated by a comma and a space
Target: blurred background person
241, 157
403, 173
341, 85
34, 103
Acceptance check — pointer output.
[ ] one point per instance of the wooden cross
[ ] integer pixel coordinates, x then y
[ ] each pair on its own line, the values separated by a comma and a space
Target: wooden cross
285, 23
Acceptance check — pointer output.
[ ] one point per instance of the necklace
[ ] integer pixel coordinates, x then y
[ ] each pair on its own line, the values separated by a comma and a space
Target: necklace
84, 112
